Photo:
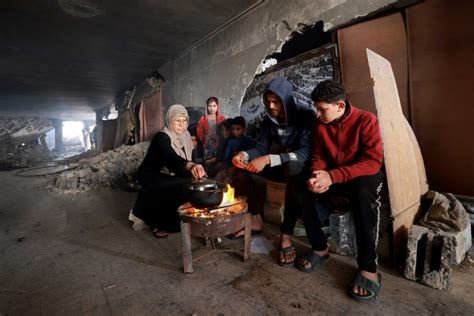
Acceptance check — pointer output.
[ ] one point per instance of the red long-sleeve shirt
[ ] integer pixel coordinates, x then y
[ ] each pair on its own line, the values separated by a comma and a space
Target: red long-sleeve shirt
350, 148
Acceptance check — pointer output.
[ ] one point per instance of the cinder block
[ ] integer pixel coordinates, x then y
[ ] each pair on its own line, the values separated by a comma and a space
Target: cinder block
342, 231
431, 255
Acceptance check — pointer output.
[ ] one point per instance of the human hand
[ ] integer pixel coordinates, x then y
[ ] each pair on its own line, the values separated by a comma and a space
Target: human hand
197, 171
258, 164
320, 181
239, 160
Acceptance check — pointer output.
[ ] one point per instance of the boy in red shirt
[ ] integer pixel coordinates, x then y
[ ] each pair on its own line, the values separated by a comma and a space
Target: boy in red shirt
346, 160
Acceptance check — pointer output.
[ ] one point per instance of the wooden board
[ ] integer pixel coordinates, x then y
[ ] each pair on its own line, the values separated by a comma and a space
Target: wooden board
385, 35
406, 175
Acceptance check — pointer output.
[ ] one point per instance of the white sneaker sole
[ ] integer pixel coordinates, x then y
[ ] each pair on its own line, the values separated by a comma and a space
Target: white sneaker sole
138, 224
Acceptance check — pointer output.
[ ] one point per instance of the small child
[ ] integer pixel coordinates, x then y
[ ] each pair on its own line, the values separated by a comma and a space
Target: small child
225, 133
207, 130
197, 156
240, 141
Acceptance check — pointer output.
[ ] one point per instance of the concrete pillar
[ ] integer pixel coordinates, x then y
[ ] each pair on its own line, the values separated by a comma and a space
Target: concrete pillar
43, 141
58, 135
100, 129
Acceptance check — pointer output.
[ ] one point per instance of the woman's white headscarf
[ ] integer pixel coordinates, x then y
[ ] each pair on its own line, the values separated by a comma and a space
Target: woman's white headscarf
181, 143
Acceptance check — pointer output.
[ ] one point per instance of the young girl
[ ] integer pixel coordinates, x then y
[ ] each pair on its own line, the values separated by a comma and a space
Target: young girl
207, 130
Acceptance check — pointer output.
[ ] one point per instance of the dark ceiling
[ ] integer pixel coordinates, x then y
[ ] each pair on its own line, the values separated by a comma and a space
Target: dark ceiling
64, 58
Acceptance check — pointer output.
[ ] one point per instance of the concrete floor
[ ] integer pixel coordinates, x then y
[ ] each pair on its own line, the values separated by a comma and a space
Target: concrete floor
77, 254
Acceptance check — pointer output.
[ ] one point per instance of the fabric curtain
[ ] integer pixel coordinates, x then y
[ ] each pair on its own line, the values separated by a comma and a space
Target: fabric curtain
151, 117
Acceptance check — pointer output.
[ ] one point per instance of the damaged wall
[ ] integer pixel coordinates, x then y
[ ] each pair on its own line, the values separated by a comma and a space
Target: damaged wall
17, 130
224, 64
23, 129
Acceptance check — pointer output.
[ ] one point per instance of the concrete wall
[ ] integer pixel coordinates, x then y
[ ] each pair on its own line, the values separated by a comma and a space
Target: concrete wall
224, 64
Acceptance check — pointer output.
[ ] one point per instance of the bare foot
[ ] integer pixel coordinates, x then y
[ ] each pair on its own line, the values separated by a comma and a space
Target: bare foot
160, 233
289, 256
307, 264
373, 276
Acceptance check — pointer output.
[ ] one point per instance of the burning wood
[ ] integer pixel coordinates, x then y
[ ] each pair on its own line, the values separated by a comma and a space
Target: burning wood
230, 205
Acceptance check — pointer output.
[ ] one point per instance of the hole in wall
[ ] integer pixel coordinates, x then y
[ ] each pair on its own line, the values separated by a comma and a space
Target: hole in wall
308, 38
80, 8
305, 60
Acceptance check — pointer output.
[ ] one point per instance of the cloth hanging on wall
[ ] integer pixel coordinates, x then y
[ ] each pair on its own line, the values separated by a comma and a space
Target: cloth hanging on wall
124, 125
109, 128
151, 117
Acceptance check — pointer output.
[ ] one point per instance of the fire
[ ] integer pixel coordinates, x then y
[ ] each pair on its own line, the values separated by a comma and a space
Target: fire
229, 205
228, 197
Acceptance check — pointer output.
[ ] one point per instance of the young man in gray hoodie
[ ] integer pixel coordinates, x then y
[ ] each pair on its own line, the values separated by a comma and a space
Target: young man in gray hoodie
281, 154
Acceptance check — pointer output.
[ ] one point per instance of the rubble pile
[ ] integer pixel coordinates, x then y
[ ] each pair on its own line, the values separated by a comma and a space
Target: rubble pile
82, 156
22, 156
19, 145
109, 169
33, 153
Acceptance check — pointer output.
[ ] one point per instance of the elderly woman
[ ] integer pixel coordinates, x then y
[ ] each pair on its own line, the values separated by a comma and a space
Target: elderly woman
164, 172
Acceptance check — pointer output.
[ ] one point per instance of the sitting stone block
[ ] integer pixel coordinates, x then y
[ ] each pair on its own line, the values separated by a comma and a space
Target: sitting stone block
342, 231
431, 255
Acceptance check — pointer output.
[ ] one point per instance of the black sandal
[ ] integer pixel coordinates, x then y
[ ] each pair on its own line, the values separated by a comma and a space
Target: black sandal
315, 260
285, 251
370, 286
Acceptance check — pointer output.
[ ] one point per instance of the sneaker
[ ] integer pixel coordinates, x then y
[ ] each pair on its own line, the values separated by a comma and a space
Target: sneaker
138, 223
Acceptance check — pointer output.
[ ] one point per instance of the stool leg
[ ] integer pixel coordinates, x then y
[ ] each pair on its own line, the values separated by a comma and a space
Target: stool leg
187, 254
248, 235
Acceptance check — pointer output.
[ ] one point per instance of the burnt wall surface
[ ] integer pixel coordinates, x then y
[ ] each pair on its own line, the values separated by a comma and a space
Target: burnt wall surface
225, 63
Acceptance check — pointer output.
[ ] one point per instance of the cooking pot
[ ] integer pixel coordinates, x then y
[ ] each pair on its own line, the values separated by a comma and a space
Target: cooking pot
205, 193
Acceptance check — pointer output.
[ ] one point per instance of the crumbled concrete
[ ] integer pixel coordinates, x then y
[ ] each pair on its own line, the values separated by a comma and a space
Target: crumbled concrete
19, 130
432, 255
19, 144
108, 169
23, 156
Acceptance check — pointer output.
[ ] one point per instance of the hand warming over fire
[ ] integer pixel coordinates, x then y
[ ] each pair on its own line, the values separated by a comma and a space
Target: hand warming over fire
258, 164
196, 170
320, 181
239, 160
